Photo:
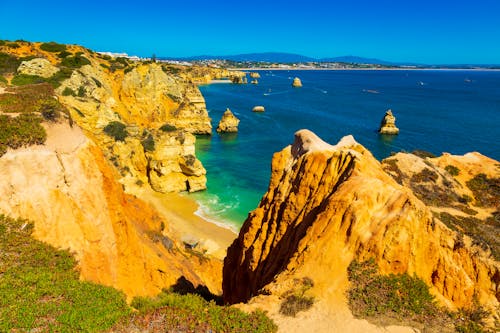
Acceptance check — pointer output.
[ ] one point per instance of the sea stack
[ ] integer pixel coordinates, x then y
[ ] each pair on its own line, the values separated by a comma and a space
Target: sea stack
228, 123
254, 75
255, 81
258, 108
388, 124
296, 83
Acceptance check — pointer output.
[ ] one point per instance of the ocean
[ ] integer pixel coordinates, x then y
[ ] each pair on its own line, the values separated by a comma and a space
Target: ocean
436, 110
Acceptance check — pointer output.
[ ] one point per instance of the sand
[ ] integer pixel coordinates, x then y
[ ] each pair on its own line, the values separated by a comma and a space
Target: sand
179, 210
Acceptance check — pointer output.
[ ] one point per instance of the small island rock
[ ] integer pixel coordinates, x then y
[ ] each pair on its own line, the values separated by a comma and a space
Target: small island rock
254, 75
255, 81
258, 108
296, 83
388, 124
228, 123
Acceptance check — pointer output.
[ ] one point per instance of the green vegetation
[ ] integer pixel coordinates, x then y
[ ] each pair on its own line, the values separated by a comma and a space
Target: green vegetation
484, 233
2, 42
24, 79
68, 92
148, 142
3, 80
452, 170
29, 99
81, 91
168, 128
13, 45
53, 47
423, 154
8, 63
296, 300
64, 54
405, 300
486, 190
63, 74
97, 82
40, 290
23, 130
116, 130
75, 61
171, 312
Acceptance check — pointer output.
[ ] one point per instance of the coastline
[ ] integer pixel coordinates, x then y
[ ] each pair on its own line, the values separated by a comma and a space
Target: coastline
186, 224
367, 69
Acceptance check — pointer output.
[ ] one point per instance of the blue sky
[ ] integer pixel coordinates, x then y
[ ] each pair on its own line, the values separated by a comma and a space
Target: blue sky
439, 31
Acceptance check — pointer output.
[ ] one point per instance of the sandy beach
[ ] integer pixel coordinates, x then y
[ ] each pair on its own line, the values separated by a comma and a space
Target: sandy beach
179, 211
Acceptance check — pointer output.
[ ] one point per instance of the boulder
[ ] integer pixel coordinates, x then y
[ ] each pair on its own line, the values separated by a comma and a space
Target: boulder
258, 108
228, 123
388, 124
254, 75
296, 83
38, 66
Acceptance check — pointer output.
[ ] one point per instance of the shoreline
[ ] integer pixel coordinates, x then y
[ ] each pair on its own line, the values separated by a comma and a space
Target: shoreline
186, 224
367, 69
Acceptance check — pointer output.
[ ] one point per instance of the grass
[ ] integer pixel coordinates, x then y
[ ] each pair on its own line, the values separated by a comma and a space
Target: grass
116, 130
295, 300
40, 290
171, 312
29, 99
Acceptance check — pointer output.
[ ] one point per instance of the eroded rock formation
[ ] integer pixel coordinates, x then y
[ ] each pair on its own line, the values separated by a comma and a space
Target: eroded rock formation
69, 190
296, 83
38, 66
228, 123
327, 205
388, 124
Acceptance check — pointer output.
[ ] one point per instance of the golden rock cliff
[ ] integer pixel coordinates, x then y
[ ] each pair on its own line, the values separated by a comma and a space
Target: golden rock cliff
69, 190
327, 205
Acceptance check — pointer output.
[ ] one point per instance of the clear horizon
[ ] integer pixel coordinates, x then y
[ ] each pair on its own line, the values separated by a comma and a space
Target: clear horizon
419, 32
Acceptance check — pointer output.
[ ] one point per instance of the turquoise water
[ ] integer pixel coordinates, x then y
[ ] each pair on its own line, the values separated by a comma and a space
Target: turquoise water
436, 111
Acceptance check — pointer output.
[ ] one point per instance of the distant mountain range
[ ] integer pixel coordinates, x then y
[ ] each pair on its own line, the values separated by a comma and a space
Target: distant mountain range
286, 58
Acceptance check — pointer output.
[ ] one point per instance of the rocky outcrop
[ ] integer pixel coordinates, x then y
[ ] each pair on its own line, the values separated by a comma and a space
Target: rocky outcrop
296, 83
255, 81
388, 124
254, 75
38, 66
144, 98
258, 108
69, 190
228, 123
327, 205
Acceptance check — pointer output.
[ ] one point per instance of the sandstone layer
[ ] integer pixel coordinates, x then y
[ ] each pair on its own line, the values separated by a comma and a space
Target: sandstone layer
69, 190
388, 124
228, 123
327, 205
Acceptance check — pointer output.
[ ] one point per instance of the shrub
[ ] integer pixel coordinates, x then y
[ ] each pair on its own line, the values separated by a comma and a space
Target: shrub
293, 304
452, 170
148, 143
168, 128
64, 54
486, 190
8, 63
97, 82
53, 47
57, 79
296, 300
40, 290
423, 154
2, 42
13, 45
68, 92
424, 176
81, 91
116, 130
75, 61
3, 80
23, 79
104, 66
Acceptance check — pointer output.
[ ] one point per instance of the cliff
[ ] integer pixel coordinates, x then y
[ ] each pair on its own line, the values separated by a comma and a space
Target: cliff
327, 205
69, 190
158, 106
